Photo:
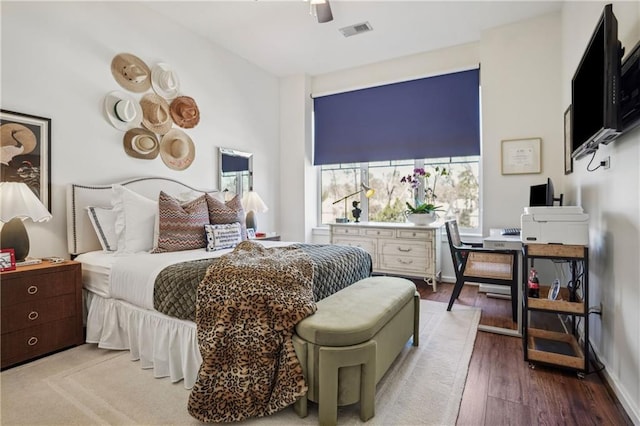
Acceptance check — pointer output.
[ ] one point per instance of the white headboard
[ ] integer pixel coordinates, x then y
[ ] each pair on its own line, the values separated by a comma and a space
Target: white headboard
81, 237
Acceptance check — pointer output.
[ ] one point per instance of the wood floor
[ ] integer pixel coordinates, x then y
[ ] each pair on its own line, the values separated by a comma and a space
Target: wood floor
501, 389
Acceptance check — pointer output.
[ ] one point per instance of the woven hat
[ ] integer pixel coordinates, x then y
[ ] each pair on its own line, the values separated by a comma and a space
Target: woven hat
141, 143
177, 150
15, 139
131, 72
155, 113
185, 112
164, 81
123, 111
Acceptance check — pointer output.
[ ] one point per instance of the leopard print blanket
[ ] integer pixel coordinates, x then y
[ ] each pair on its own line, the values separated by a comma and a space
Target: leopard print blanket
246, 310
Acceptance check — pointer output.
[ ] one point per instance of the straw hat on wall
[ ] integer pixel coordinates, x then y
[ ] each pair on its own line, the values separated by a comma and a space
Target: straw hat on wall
164, 81
141, 143
123, 111
131, 72
177, 150
185, 112
155, 113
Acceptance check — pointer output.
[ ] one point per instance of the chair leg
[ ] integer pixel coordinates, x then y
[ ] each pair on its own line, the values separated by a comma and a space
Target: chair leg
455, 293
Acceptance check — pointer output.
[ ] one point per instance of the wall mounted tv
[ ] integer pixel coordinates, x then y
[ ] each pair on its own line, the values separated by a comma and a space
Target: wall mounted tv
595, 87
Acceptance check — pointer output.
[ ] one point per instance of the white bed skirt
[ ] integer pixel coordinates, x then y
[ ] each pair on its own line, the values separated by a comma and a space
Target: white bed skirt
168, 345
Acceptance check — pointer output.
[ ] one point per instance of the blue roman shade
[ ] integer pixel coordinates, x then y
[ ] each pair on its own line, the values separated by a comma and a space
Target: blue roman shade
426, 118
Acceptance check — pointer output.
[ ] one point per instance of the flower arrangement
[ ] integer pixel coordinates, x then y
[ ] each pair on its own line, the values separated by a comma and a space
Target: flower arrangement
420, 179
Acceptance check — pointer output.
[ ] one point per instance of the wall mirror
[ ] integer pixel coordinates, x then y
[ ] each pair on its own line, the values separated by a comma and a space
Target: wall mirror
236, 171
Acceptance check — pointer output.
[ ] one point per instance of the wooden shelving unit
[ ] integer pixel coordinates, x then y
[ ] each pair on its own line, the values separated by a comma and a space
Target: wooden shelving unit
550, 347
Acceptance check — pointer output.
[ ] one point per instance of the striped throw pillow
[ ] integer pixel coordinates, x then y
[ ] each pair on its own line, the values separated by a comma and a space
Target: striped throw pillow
222, 213
181, 226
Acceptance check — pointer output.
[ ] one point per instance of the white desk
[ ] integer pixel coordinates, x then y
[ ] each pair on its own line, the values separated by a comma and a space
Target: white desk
496, 240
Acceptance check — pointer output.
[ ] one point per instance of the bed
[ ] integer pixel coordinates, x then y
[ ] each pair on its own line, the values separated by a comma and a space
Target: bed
119, 285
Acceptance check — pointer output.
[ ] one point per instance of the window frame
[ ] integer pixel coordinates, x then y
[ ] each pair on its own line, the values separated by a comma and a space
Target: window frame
417, 163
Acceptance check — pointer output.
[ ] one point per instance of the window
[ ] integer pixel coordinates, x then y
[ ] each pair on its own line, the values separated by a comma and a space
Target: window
458, 192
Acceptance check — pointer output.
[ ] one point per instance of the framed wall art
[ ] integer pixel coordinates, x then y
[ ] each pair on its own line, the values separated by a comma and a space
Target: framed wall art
521, 156
25, 154
568, 144
7, 260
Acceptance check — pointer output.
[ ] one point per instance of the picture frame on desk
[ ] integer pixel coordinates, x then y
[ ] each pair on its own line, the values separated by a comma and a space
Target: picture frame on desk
521, 156
251, 233
7, 260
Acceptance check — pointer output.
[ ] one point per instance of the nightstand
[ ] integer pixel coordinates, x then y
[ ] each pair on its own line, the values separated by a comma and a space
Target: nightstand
269, 236
41, 310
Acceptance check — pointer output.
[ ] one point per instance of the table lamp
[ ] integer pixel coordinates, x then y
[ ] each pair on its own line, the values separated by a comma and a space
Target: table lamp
368, 194
17, 203
253, 204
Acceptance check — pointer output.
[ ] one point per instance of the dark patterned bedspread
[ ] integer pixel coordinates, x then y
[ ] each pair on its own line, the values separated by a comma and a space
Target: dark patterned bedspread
334, 268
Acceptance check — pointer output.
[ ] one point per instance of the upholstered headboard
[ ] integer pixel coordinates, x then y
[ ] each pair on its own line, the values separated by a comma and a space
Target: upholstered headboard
81, 237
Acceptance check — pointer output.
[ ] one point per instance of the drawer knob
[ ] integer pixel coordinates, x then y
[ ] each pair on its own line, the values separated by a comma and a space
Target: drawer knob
33, 315
405, 262
404, 250
378, 232
32, 289
33, 340
414, 234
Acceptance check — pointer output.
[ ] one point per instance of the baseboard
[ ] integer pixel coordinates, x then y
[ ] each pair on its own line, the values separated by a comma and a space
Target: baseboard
614, 384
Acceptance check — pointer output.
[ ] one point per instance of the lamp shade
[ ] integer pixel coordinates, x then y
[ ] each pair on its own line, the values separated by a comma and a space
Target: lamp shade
18, 201
252, 201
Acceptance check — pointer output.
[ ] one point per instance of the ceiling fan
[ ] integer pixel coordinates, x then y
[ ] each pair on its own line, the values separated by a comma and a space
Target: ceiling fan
322, 10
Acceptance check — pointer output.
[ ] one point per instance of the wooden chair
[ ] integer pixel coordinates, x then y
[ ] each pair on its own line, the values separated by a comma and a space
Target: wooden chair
482, 265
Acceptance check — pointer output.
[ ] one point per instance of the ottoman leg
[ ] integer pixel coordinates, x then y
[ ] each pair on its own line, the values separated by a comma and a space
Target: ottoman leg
301, 348
331, 359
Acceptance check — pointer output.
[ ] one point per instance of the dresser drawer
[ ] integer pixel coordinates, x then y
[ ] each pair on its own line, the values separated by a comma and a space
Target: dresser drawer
406, 248
34, 341
405, 265
368, 245
345, 230
379, 232
32, 313
20, 288
415, 234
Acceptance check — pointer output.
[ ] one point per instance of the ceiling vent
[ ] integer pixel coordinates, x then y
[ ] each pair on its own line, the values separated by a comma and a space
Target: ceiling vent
356, 29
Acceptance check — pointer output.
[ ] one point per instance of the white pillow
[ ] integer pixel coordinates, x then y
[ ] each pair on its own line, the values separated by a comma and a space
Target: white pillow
135, 220
104, 223
223, 236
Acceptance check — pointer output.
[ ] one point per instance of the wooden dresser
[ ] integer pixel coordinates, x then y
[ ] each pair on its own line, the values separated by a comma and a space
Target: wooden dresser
41, 310
402, 249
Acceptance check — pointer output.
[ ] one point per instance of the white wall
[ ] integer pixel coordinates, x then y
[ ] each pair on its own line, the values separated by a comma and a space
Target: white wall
612, 199
56, 59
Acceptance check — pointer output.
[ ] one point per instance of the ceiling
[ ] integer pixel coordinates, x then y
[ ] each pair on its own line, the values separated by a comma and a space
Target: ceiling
283, 38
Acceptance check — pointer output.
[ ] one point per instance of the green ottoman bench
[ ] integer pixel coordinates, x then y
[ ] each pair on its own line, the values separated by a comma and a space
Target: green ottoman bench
349, 343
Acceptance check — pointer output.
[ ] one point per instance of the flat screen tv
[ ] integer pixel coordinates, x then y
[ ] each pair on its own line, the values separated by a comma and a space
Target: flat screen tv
595, 89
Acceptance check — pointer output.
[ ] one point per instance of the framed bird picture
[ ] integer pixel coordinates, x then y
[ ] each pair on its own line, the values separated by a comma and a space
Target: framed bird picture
24, 152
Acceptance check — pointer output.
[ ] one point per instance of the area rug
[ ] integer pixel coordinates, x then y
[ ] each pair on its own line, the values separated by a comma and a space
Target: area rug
90, 386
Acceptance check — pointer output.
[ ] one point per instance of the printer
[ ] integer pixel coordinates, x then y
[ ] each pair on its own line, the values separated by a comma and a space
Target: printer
554, 225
